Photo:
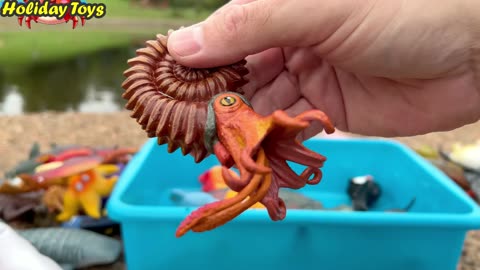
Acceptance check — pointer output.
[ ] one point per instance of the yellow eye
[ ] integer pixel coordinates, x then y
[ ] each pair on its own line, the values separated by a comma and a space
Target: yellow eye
228, 101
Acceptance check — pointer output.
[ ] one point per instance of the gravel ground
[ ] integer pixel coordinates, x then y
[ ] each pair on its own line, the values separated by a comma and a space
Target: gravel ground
110, 129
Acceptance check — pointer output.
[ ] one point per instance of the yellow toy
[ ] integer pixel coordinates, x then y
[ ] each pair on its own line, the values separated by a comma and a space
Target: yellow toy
74, 184
86, 190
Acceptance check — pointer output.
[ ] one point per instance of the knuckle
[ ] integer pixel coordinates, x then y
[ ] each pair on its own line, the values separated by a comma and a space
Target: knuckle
235, 18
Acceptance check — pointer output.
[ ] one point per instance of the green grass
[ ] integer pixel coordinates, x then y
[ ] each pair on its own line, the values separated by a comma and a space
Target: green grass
19, 50
21, 47
125, 9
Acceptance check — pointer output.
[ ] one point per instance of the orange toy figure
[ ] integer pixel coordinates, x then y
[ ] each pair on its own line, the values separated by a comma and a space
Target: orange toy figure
212, 179
204, 112
241, 135
213, 182
232, 194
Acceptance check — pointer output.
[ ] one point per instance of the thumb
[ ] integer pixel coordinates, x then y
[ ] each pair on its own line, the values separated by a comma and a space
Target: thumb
232, 33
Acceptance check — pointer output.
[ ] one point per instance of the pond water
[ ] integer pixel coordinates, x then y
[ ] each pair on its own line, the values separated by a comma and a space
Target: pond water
86, 83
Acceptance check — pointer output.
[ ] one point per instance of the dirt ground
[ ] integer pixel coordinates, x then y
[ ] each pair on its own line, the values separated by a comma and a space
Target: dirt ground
110, 129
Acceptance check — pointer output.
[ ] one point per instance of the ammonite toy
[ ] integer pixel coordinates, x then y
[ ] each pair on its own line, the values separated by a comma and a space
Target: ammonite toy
203, 112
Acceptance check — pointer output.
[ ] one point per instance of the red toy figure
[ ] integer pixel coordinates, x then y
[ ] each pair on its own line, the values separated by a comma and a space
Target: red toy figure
51, 20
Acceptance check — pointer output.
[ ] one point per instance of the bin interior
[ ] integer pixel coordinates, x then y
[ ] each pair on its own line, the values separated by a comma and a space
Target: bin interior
402, 175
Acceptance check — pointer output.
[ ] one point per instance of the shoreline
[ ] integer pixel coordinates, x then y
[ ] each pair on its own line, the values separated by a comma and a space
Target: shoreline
19, 132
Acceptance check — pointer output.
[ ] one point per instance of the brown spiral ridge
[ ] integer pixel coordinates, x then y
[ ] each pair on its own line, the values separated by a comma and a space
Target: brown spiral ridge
170, 101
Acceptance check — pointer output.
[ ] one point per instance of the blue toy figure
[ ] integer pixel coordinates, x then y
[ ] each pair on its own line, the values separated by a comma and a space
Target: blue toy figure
190, 198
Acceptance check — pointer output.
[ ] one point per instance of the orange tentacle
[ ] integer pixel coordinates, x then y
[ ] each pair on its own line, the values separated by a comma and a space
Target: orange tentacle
250, 165
212, 208
224, 216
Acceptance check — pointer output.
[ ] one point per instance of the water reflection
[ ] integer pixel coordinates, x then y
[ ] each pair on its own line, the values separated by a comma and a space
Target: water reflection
99, 101
88, 83
12, 103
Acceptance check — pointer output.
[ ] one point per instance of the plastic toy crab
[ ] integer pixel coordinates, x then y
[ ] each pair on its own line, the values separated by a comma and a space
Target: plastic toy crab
203, 112
51, 20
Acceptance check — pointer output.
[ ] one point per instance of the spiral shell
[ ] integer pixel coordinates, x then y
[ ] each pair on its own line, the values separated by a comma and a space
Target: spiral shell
170, 101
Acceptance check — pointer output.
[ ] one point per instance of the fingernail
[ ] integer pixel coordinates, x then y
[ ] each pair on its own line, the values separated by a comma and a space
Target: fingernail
186, 42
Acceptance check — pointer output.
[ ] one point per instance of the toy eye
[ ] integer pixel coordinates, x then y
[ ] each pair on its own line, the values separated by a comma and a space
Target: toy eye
228, 101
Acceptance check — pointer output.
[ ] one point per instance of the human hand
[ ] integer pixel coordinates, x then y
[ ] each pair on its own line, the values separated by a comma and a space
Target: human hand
382, 68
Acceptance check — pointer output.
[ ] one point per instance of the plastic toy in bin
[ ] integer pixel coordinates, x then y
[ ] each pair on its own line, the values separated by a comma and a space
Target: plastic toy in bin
203, 112
191, 198
213, 183
363, 191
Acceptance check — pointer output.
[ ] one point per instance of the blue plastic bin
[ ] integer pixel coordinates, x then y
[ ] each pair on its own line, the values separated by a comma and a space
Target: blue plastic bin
429, 237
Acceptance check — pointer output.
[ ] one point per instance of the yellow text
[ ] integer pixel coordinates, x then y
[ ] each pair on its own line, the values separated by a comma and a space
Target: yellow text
46, 9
